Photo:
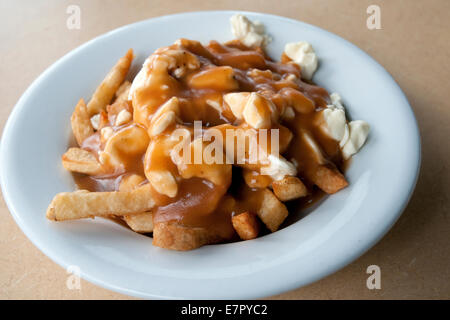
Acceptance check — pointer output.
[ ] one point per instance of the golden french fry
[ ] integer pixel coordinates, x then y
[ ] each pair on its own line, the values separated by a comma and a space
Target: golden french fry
271, 211
109, 86
246, 225
81, 123
173, 236
84, 204
122, 92
141, 222
322, 173
82, 161
289, 188
328, 178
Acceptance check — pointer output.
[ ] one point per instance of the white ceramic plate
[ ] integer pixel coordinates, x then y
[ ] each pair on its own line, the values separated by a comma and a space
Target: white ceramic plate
340, 228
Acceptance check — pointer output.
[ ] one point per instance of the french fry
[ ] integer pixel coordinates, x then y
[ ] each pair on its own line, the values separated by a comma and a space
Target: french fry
271, 211
141, 222
173, 236
122, 92
246, 225
84, 204
109, 86
81, 161
81, 123
317, 169
289, 188
328, 178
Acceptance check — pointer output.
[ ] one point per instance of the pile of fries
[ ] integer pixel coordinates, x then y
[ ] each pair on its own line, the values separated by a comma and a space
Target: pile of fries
125, 163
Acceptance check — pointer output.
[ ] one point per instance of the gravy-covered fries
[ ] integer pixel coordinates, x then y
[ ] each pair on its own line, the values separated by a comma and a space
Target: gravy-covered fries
208, 142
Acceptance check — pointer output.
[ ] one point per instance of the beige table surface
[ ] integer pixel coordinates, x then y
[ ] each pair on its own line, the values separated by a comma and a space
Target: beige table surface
413, 45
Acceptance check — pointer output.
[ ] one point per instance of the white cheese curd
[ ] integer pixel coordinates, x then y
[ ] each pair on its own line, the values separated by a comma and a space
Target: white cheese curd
95, 121
289, 113
358, 132
335, 123
278, 168
352, 135
123, 117
334, 120
336, 101
106, 133
345, 137
303, 54
249, 33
